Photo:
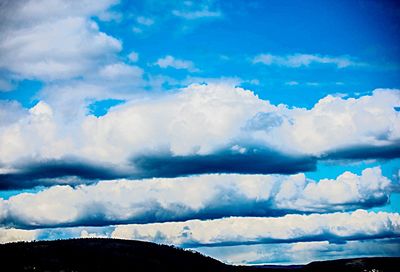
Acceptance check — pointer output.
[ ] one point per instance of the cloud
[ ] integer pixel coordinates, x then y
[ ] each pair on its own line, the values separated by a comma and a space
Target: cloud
242, 160
335, 123
304, 60
192, 15
121, 70
335, 227
32, 45
197, 197
142, 23
194, 10
10, 112
145, 21
170, 61
302, 252
69, 171
365, 152
145, 134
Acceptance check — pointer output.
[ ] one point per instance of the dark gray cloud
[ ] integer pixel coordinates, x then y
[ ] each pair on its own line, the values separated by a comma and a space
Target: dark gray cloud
363, 152
56, 172
254, 160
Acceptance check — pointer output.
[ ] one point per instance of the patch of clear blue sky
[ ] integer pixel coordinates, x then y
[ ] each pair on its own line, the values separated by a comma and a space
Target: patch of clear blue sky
101, 107
24, 92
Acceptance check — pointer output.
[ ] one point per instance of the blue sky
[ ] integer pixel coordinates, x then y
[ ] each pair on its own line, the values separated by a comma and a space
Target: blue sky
273, 111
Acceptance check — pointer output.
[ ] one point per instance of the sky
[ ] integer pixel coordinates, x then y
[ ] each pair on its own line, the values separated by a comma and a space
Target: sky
254, 132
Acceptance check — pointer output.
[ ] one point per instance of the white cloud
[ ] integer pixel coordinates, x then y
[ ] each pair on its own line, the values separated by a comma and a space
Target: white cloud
120, 71
170, 61
10, 112
299, 60
335, 123
32, 45
86, 234
157, 200
175, 122
238, 230
30, 12
35, 131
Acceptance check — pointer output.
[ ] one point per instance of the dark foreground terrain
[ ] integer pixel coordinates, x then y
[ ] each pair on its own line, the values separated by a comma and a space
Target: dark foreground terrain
124, 255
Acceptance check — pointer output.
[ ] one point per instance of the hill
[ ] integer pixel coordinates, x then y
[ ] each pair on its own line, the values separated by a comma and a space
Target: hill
124, 255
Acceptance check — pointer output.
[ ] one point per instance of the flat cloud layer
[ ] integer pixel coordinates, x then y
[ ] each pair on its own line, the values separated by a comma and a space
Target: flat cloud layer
304, 60
303, 231
302, 252
335, 227
197, 197
202, 125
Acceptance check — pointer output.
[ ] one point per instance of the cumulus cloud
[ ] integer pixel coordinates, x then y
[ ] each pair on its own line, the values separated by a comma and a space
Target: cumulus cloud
32, 45
333, 227
142, 135
304, 60
335, 124
204, 197
170, 61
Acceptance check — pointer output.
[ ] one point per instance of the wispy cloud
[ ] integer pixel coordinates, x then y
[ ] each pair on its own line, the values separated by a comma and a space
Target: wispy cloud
146, 21
192, 10
304, 60
292, 83
170, 61
192, 15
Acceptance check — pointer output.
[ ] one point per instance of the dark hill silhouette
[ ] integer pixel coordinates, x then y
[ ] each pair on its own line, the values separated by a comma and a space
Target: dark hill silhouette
96, 254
